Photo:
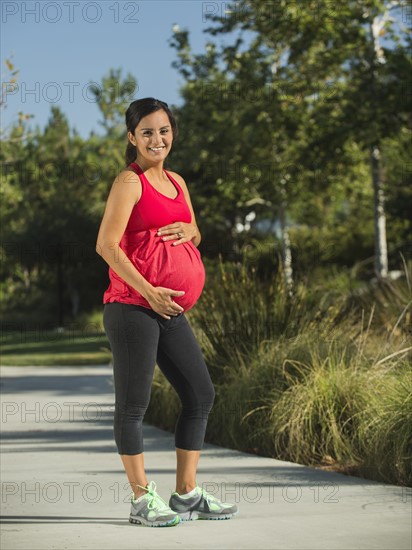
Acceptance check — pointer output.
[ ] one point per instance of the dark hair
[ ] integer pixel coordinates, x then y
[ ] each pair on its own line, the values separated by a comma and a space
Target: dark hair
139, 109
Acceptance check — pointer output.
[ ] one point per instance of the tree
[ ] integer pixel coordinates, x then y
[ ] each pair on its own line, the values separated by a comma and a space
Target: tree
210, 150
55, 185
337, 44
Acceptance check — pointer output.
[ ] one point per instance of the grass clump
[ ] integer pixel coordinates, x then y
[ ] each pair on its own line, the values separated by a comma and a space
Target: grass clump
299, 377
313, 420
385, 427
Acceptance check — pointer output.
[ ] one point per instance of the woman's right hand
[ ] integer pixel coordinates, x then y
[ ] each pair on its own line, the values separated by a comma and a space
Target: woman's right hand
160, 300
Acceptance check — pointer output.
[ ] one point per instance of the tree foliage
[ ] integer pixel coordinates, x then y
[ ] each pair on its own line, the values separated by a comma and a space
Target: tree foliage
318, 88
277, 126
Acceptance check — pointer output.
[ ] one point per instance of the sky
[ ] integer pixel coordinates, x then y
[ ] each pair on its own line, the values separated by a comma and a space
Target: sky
60, 47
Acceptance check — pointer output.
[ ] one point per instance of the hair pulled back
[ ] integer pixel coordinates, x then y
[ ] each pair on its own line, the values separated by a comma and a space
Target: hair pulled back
139, 109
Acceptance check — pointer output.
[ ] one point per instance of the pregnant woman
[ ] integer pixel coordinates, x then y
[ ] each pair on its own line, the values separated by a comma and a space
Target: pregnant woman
149, 237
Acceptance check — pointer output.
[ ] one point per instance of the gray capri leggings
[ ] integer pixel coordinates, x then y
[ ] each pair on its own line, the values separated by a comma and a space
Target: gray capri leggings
139, 338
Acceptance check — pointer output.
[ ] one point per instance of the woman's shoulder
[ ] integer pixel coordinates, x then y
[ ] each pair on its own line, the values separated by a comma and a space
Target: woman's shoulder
177, 177
128, 175
128, 169
127, 181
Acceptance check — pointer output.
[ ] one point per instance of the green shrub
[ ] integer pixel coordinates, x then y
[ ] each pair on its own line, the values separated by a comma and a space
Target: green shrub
389, 300
314, 419
303, 377
237, 311
385, 429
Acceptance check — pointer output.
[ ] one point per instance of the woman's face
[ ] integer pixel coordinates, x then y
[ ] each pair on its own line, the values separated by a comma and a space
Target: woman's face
153, 137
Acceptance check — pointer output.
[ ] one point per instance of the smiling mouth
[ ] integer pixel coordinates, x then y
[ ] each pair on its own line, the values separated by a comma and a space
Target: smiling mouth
156, 149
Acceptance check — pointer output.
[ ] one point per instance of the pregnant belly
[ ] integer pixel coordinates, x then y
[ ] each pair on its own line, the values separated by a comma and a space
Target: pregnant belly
176, 267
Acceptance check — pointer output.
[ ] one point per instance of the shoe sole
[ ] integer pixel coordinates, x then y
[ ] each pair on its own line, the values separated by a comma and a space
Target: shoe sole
191, 516
146, 523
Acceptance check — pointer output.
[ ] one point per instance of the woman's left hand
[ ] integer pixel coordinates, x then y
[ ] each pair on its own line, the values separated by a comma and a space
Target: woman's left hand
180, 232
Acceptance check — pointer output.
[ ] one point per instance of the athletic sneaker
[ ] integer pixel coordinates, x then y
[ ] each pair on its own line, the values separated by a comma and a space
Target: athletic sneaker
151, 510
198, 504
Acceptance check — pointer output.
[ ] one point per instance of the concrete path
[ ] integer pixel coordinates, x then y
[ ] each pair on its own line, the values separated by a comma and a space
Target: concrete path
63, 484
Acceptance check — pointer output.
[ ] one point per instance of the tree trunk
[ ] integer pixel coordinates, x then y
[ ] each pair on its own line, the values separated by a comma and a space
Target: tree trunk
286, 249
381, 251
377, 56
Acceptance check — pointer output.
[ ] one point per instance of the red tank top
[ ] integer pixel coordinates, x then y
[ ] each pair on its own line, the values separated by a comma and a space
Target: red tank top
161, 264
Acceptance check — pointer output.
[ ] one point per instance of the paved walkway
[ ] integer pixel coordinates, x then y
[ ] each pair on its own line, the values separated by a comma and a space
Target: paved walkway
63, 484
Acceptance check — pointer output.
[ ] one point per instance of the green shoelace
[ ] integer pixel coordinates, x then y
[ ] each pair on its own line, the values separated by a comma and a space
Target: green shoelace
154, 500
